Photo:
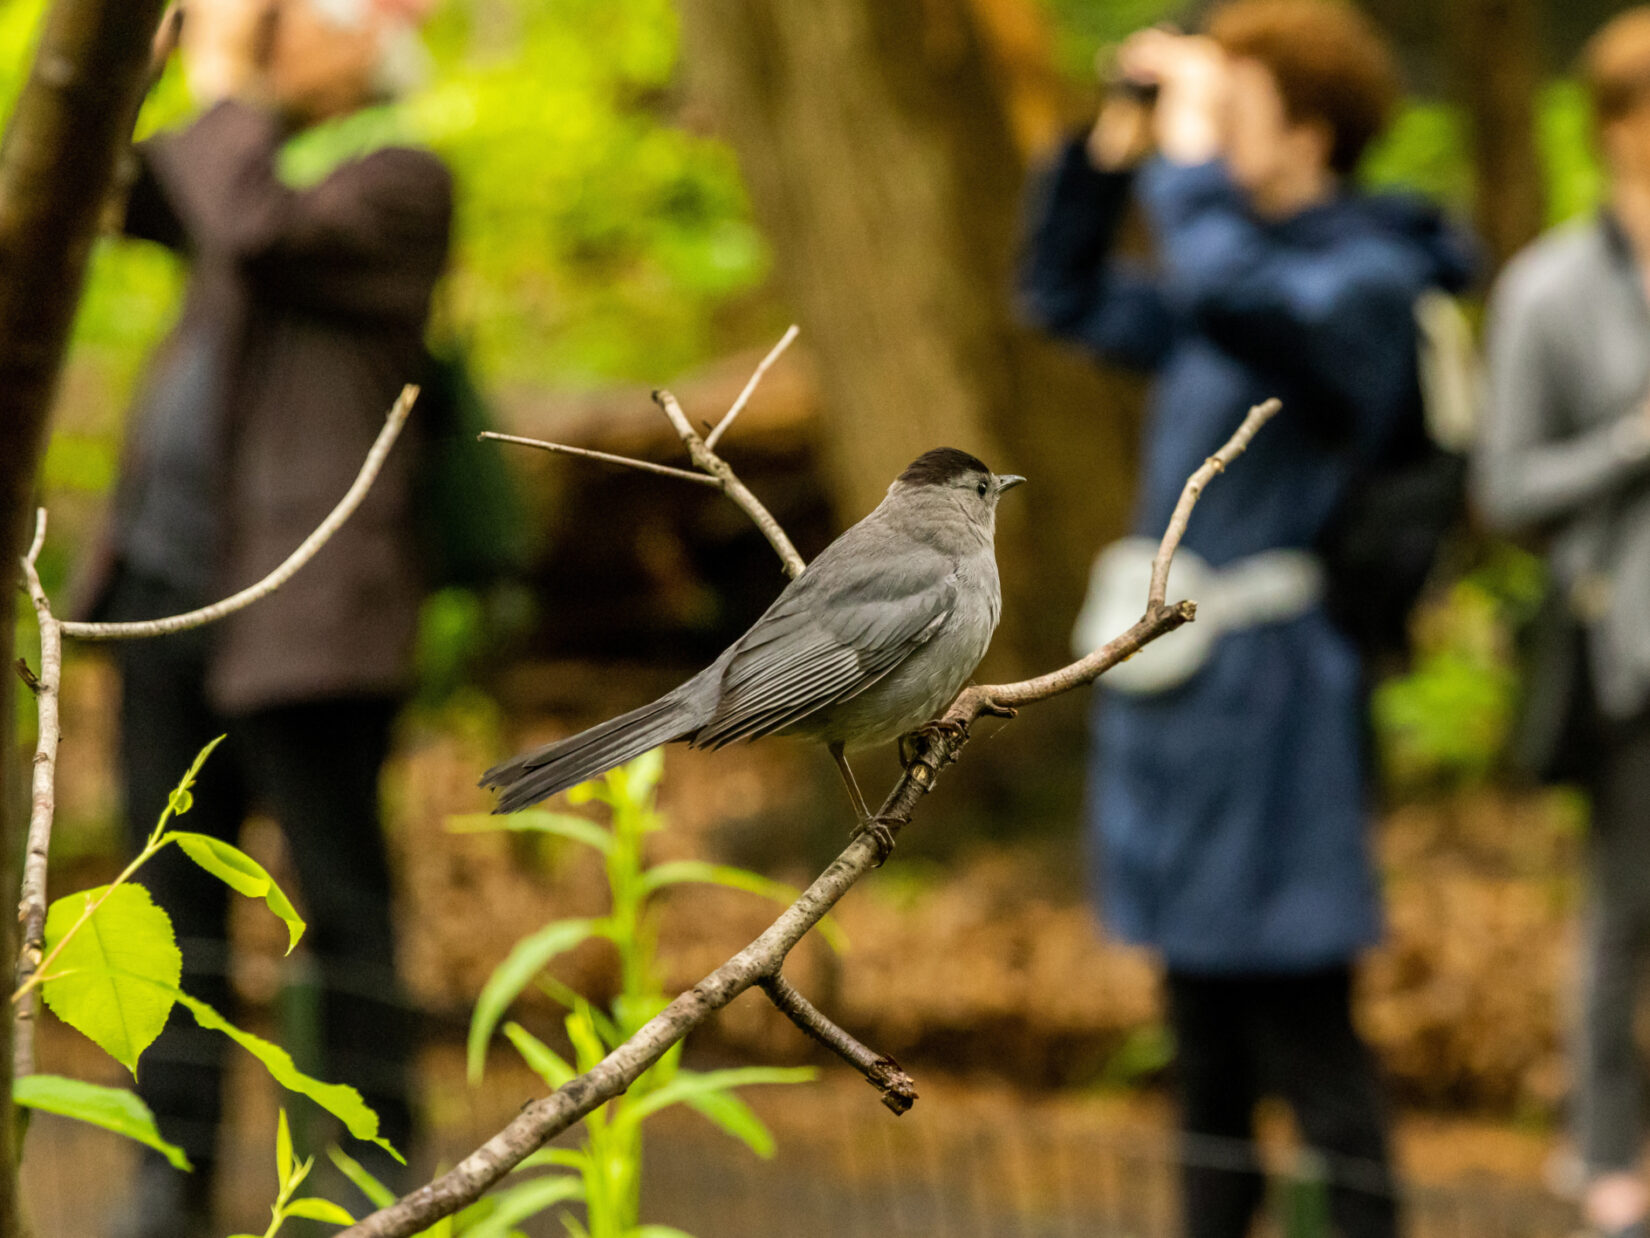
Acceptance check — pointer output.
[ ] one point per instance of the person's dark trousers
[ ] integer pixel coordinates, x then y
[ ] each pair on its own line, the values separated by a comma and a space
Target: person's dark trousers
1610, 1075
314, 767
1240, 1038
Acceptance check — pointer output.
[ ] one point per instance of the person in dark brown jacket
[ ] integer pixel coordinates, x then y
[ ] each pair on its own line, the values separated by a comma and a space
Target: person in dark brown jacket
304, 315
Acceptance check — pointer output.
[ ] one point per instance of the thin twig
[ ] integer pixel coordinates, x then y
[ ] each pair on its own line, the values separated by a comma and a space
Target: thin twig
1216, 464
31, 910
899, 1090
735, 489
285, 572
744, 396
937, 746
606, 457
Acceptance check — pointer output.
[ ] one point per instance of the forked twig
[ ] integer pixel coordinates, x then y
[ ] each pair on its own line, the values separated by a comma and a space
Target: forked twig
760, 961
31, 910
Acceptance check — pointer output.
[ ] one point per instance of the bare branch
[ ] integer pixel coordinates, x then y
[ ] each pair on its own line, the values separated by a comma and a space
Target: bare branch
899, 1090
738, 407
735, 489
31, 910
606, 457
286, 571
759, 963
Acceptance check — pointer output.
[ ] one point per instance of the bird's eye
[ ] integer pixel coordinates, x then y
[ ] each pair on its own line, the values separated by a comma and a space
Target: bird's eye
980, 489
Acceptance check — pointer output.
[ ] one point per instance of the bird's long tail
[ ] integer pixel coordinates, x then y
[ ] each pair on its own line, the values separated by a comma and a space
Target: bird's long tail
537, 775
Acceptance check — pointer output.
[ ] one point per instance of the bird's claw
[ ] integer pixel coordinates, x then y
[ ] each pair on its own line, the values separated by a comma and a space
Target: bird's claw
913, 745
882, 837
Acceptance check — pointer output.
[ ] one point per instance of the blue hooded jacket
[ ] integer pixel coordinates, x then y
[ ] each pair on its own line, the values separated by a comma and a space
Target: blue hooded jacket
1230, 813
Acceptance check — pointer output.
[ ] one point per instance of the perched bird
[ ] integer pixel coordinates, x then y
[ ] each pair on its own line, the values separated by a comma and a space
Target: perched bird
871, 641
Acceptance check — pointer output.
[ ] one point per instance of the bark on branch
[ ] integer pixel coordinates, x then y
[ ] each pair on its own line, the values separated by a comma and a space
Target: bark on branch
759, 963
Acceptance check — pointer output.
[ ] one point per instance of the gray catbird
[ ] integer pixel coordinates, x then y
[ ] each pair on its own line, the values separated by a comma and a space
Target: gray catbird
872, 640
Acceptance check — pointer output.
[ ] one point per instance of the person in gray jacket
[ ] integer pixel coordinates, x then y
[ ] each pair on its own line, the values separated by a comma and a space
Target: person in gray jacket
1565, 453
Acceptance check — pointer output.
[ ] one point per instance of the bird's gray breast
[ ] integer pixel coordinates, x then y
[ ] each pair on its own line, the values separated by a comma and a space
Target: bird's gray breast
928, 678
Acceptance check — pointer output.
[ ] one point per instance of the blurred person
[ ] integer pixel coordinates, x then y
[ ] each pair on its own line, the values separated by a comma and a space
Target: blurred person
304, 315
1565, 453
1230, 790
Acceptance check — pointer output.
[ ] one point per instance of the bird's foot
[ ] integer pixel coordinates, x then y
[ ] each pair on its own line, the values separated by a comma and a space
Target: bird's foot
882, 837
914, 745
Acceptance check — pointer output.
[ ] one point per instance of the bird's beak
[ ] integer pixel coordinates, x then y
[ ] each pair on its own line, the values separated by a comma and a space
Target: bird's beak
1007, 481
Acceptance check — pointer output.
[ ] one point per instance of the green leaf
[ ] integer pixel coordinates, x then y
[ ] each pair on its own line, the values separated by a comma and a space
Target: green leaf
182, 799
284, 1162
114, 1109
378, 1195
545, 1062
689, 1084
735, 1117
538, 820
569, 997
588, 1046
111, 978
526, 958
338, 1099
529, 1199
313, 1209
557, 1158
241, 873
675, 872
659, 1231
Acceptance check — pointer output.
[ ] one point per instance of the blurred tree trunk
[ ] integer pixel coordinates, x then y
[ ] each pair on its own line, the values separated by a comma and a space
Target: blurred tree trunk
1495, 67
56, 164
882, 141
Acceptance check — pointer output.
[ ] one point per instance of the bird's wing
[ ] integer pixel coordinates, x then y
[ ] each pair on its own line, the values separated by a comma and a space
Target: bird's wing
836, 630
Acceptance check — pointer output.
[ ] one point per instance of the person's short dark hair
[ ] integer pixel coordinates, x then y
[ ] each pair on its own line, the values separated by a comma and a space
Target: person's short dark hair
1328, 60
1615, 65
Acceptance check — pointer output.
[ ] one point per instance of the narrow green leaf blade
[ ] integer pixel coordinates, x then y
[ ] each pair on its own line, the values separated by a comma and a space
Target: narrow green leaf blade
545, 1062
378, 1195
284, 1161
312, 1208
676, 872
535, 820
529, 1199
114, 1109
659, 1231
241, 873
338, 1099
735, 1118
526, 958
110, 980
182, 799
690, 1083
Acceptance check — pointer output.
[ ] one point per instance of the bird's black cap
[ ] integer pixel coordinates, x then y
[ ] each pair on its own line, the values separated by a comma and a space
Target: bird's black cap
942, 465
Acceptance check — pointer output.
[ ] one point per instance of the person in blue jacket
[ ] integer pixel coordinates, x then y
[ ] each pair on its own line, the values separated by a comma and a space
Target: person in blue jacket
1229, 796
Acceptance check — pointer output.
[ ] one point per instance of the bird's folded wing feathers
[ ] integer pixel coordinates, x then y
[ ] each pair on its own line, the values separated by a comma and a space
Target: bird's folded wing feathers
810, 651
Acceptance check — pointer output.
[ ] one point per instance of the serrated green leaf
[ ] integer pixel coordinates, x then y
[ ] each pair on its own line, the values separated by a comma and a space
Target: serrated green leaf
525, 960
536, 820
530, 1198
699, 1083
312, 1208
378, 1195
675, 872
284, 1162
338, 1099
735, 1117
109, 980
241, 873
114, 1109
544, 1061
